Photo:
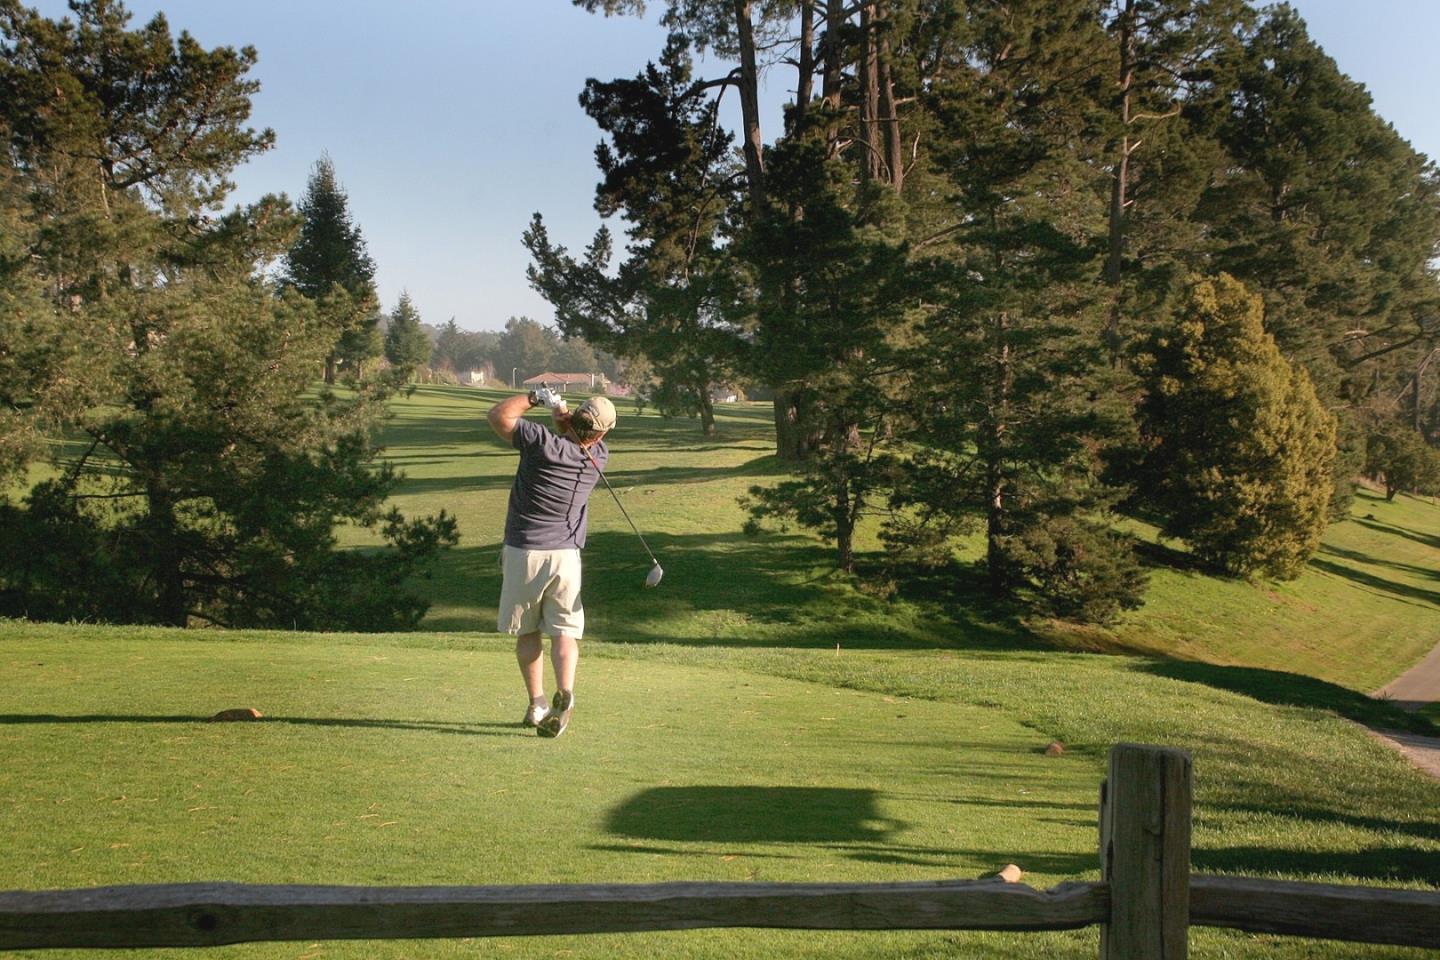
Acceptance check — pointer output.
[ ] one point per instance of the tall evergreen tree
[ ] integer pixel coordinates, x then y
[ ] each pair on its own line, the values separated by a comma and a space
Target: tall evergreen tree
1012, 408
406, 345
329, 264
665, 171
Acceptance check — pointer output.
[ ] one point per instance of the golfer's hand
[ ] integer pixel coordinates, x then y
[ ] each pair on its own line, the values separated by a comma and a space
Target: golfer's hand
545, 397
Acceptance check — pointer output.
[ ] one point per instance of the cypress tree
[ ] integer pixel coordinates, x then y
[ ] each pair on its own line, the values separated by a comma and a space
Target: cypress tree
1241, 448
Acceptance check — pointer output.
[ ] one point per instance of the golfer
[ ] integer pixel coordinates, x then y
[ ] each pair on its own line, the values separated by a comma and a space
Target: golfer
544, 533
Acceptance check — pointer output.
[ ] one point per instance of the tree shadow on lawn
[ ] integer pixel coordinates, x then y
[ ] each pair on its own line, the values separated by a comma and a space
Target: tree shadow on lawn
845, 821
1355, 556
467, 728
1425, 539
1414, 595
1292, 690
726, 590
1400, 864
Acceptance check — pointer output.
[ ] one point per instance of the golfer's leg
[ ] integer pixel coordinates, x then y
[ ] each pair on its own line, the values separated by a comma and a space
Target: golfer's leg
527, 653
564, 657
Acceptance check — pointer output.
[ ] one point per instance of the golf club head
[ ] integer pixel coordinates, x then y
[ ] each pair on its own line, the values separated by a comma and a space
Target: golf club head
653, 577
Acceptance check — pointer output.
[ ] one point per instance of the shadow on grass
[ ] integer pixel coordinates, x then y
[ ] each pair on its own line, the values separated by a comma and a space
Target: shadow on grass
730, 590
1425, 539
1404, 591
1355, 556
1292, 690
731, 814
423, 726
1393, 863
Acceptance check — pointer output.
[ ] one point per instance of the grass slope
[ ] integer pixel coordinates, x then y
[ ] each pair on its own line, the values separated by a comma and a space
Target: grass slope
398, 759
1368, 607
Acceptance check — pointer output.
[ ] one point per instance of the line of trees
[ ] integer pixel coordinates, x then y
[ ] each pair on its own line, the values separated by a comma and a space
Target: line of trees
155, 370
1011, 267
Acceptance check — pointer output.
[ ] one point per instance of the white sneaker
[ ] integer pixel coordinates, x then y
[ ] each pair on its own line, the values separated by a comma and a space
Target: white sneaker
534, 714
558, 718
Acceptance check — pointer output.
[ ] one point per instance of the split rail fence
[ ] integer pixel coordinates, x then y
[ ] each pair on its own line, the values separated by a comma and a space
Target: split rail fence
1144, 904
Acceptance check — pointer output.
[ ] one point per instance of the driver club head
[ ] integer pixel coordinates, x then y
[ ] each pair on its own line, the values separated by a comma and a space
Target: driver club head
653, 577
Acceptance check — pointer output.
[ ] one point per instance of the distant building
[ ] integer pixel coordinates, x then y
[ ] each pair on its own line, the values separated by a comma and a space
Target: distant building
473, 378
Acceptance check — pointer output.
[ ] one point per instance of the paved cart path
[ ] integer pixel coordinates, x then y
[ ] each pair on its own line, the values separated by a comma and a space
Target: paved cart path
1415, 688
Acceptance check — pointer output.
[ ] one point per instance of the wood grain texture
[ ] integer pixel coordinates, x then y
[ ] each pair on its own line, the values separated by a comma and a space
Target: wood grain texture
1408, 918
221, 913
1145, 853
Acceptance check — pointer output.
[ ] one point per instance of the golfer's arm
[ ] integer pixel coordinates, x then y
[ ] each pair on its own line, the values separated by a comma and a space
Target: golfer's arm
505, 414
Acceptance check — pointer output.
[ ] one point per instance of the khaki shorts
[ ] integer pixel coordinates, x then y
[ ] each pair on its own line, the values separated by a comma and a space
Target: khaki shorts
541, 592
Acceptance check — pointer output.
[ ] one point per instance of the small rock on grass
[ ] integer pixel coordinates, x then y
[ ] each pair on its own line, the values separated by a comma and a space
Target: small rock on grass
239, 713
1055, 749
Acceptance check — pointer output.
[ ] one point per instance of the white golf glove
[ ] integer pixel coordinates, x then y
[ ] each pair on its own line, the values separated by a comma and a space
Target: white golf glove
547, 397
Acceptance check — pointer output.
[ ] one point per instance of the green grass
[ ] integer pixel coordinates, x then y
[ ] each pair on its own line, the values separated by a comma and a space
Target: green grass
756, 717
398, 759
1368, 607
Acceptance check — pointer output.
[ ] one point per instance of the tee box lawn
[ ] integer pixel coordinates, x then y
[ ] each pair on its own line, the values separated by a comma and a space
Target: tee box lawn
755, 718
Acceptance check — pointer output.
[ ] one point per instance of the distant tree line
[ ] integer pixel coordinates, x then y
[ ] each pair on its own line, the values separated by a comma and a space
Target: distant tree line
1011, 268
159, 356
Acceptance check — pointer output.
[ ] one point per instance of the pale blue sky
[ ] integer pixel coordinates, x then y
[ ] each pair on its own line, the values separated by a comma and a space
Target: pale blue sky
451, 121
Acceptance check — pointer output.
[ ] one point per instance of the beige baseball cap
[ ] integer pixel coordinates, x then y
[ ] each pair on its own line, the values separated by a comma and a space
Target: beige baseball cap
600, 412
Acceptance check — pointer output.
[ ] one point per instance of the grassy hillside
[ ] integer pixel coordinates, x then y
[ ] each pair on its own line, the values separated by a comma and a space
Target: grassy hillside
398, 759
1368, 607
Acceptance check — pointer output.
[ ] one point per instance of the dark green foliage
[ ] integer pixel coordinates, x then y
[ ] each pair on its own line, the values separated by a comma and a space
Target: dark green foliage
1081, 570
200, 480
329, 264
1400, 458
1240, 448
665, 170
406, 344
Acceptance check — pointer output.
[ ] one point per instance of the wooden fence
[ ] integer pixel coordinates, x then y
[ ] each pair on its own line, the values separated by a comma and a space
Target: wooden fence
1144, 904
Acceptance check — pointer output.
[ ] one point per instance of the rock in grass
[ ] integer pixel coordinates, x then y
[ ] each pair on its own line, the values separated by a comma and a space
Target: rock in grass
1055, 749
239, 713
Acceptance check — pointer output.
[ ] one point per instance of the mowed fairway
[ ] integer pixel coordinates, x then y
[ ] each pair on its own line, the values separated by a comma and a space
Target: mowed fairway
399, 760
755, 718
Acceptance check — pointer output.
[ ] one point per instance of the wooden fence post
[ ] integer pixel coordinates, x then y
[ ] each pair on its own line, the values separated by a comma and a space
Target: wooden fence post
1145, 853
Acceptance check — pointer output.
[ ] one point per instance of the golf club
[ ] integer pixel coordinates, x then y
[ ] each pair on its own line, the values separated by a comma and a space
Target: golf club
653, 577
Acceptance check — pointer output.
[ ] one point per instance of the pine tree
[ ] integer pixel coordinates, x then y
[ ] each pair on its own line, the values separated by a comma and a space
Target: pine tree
665, 171
1241, 449
1014, 406
406, 345
329, 264
208, 482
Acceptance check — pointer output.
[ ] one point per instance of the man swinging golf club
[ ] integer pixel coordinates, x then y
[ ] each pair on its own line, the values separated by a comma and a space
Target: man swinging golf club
544, 533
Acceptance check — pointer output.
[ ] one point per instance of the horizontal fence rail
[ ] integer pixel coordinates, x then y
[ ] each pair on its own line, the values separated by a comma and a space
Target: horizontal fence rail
1144, 905
201, 914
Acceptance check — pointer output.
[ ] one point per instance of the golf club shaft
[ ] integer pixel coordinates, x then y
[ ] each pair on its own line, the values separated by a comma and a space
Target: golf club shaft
622, 508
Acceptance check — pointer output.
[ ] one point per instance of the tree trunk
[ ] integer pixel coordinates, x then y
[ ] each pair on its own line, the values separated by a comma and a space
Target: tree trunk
805, 82
992, 450
889, 117
171, 608
1121, 185
330, 364
795, 434
833, 77
707, 413
873, 167
750, 105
